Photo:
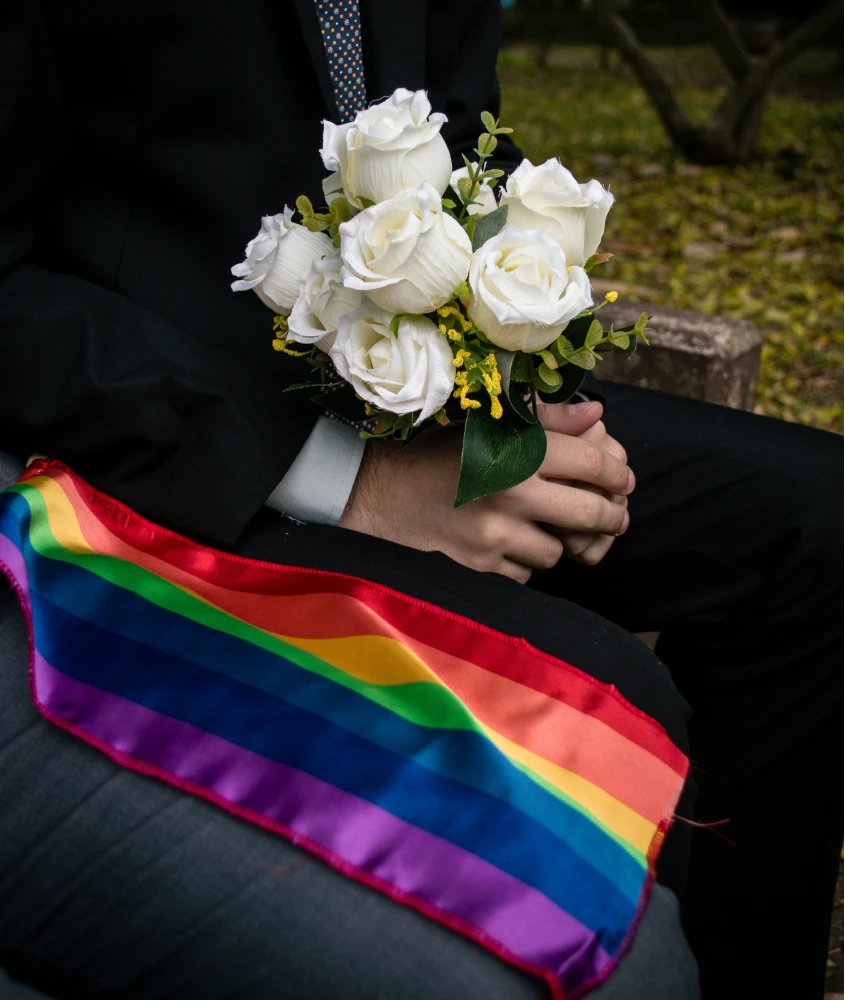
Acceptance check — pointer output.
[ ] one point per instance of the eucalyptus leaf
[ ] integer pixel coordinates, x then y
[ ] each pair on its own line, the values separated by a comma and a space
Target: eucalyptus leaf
497, 454
487, 144
583, 359
551, 378
594, 334
487, 226
465, 187
571, 379
488, 121
577, 330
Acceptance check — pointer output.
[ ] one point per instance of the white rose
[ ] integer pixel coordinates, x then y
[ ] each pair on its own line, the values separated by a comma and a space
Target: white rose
323, 301
548, 197
278, 259
485, 195
404, 373
522, 295
406, 254
389, 147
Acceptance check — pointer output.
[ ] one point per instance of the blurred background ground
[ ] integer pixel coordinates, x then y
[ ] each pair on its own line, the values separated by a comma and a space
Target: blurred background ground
762, 241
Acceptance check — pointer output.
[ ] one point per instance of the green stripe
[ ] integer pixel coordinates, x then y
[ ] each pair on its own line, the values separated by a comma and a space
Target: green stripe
425, 703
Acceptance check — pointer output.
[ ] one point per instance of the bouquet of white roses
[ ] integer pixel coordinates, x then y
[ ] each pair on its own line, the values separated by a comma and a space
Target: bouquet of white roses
421, 295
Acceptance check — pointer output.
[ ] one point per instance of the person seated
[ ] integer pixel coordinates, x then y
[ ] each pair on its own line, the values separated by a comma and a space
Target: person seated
140, 144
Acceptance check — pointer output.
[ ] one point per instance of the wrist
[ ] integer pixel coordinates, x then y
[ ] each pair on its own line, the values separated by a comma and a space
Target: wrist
371, 484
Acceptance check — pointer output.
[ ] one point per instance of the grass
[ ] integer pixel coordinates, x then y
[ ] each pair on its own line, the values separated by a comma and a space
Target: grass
760, 242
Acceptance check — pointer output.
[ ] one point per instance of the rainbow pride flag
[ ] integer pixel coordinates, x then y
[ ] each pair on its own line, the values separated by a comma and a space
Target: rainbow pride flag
455, 769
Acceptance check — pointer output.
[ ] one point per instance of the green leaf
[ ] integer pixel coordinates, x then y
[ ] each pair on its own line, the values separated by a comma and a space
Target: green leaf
497, 454
577, 330
564, 346
639, 327
550, 378
306, 385
493, 175
519, 403
316, 223
594, 334
340, 211
394, 323
465, 187
571, 379
597, 258
488, 121
304, 207
367, 202
448, 203
461, 292
515, 369
487, 144
549, 359
504, 362
522, 367
583, 359
503, 131
631, 348
488, 226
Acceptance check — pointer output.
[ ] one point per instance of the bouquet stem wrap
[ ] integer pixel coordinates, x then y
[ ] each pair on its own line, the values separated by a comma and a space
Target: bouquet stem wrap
457, 770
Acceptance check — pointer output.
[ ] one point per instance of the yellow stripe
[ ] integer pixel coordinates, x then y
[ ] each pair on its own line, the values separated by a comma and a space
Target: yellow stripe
382, 661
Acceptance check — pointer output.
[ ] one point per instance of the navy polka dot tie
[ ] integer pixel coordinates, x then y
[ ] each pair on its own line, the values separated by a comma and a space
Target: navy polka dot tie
341, 28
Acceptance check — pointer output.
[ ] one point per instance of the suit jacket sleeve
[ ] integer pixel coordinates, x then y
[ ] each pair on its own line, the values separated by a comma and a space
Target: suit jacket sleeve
97, 380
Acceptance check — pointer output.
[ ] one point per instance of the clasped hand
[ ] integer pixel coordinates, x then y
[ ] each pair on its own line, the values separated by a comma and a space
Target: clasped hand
575, 505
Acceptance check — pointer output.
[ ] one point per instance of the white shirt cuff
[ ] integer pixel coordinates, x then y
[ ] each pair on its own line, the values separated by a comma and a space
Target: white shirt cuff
317, 485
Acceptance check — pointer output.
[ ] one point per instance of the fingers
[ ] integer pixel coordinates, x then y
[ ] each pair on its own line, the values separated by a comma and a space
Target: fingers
569, 508
531, 546
587, 549
514, 570
566, 418
598, 435
575, 459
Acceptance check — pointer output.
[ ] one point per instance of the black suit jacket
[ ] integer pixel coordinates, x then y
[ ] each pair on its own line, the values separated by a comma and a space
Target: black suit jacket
140, 142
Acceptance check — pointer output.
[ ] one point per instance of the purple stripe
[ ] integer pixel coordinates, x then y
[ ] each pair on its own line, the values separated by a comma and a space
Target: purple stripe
524, 921
15, 563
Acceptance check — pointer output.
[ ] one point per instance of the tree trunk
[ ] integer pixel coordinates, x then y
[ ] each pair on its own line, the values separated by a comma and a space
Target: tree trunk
730, 137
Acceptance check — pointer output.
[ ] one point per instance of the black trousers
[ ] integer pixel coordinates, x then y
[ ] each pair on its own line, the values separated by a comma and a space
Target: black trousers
734, 555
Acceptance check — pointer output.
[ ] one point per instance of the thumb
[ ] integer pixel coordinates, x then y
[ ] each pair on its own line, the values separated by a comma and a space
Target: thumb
570, 418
